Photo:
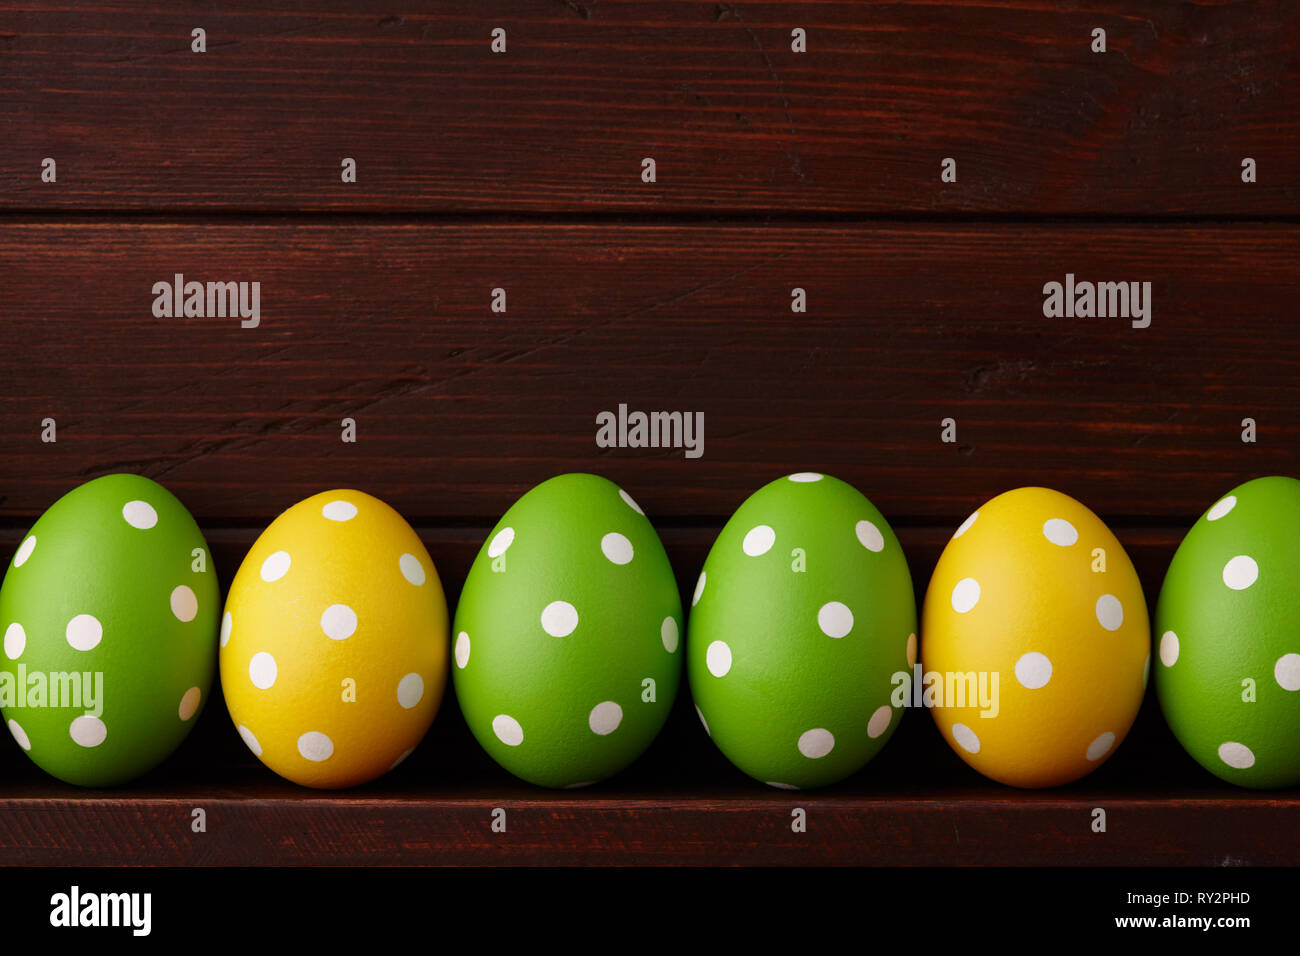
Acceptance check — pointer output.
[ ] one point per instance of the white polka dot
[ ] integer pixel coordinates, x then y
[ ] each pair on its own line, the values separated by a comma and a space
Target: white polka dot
835, 619
669, 634
500, 542
25, 551
20, 735
605, 718
758, 541
462, 650
804, 476
1168, 648
1287, 671
1241, 572
911, 650
965, 525
718, 658
507, 730
699, 713
88, 730
315, 746
699, 590
262, 670
965, 595
339, 511
250, 740
411, 569
339, 622
781, 786
140, 514
84, 632
1110, 613
1221, 508
965, 738
879, 721
1235, 755
559, 618
631, 503
616, 547
184, 604
227, 622
1101, 746
816, 743
15, 640
405, 754
869, 535
275, 566
1060, 532
1033, 670
410, 690
189, 703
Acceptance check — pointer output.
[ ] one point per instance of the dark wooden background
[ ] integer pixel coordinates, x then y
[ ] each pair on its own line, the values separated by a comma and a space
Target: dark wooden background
739, 124
775, 170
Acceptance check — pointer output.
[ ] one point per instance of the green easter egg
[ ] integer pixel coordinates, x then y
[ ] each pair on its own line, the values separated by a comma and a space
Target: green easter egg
110, 612
803, 615
1228, 636
565, 649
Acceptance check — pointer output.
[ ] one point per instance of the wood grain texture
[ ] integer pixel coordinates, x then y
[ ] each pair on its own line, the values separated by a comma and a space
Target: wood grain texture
737, 122
251, 827
460, 410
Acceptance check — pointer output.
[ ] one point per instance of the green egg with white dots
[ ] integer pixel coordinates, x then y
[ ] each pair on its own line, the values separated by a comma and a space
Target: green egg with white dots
566, 648
1227, 635
801, 621
110, 612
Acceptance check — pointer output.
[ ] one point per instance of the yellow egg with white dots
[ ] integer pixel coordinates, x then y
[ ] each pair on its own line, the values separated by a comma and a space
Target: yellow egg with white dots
334, 641
1035, 640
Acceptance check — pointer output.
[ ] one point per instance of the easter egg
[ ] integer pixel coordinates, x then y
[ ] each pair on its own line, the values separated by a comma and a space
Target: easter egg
566, 655
334, 641
1228, 636
1035, 640
801, 618
109, 610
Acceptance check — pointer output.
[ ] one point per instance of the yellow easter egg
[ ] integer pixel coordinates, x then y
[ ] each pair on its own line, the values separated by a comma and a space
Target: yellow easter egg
1035, 640
334, 641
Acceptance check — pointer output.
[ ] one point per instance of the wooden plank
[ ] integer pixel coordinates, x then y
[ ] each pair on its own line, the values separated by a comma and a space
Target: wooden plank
737, 122
251, 828
459, 410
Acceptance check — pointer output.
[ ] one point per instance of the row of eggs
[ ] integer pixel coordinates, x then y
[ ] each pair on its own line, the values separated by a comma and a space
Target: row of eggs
801, 649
